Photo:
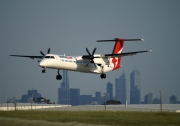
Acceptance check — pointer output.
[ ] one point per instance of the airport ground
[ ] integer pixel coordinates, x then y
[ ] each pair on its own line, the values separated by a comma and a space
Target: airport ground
93, 115
74, 118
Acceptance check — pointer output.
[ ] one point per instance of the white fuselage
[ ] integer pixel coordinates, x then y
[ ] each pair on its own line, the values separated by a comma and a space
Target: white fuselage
76, 63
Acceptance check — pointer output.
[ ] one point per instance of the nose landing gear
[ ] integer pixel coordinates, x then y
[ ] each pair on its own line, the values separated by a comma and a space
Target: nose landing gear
103, 76
58, 77
44, 70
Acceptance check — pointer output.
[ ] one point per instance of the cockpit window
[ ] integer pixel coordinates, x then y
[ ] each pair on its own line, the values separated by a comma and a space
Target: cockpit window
49, 57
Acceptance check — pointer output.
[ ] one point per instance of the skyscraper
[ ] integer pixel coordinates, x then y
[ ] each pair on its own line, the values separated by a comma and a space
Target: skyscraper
63, 96
121, 88
98, 98
97, 94
135, 87
109, 91
173, 99
148, 99
65, 83
74, 96
64, 91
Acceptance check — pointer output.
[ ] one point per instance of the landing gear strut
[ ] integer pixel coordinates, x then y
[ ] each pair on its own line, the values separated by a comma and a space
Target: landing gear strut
103, 76
58, 77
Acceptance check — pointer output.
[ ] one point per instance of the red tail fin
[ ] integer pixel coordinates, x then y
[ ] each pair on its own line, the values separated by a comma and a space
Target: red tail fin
118, 47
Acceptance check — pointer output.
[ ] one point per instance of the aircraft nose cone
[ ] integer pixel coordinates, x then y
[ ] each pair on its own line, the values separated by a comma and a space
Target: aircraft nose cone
42, 64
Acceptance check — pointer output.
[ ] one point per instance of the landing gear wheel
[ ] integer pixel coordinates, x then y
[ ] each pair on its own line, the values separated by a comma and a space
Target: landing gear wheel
103, 76
58, 77
43, 71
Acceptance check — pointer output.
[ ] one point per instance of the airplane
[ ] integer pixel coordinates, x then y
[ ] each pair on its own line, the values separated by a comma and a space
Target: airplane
91, 63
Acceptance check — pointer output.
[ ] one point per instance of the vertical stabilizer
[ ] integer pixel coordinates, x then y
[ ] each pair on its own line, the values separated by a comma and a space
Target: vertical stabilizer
118, 47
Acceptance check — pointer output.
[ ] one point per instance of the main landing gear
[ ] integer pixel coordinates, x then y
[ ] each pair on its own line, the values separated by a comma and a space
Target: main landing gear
58, 77
103, 76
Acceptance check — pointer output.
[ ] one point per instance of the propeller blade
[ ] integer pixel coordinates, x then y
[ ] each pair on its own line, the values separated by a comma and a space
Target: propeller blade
88, 51
48, 51
42, 53
94, 51
87, 64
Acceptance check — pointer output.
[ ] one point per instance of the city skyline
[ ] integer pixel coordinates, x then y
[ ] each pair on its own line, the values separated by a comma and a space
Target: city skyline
120, 90
67, 95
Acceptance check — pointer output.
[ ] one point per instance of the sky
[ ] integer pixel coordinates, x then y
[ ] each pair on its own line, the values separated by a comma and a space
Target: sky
68, 27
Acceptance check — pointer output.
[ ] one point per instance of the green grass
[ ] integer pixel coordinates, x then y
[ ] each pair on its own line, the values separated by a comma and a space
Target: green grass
121, 118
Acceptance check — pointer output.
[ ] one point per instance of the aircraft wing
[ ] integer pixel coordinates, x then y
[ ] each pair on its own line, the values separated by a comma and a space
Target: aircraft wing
123, 54
32, 57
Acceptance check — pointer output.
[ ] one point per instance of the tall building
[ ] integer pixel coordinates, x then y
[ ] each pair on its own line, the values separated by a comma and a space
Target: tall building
173, 99
135, 87
64, 91
65, 83
63, 96
121, 88
148, 99
98, 94
74, 96
109, 92
98, 98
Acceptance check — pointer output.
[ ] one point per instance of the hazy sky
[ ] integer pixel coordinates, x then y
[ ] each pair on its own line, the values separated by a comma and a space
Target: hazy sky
69, 26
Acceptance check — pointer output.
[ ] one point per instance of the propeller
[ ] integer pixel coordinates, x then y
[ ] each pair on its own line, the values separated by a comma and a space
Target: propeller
91, 56
48, 51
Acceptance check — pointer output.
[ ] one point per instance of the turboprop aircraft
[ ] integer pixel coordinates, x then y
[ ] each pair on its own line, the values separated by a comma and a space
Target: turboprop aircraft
91, 63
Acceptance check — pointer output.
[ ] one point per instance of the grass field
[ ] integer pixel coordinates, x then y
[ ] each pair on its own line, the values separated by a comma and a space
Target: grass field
73, 118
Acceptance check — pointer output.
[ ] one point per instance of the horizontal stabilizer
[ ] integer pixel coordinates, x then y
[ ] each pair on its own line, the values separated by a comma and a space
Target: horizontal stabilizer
116, 39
